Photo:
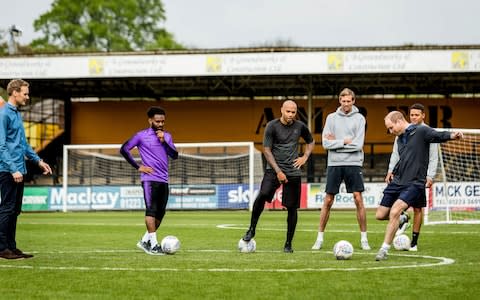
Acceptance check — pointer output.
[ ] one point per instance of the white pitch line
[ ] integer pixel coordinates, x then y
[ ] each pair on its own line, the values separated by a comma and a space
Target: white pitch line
111, 224
245, 227
239, 227
441, 261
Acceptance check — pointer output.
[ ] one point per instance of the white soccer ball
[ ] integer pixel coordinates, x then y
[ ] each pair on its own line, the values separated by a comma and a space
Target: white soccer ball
401, 242
247, 247
343, 250
170, 244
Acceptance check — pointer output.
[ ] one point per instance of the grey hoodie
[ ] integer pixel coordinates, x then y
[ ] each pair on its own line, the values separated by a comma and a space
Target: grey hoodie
341, 125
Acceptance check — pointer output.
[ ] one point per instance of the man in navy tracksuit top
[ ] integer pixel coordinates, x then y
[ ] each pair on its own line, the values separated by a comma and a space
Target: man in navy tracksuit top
154, 146
410, 172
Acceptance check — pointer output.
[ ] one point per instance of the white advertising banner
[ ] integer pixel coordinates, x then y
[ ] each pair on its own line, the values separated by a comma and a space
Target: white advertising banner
277, 63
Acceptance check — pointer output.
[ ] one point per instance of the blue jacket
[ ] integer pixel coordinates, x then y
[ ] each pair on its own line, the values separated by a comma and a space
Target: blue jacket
13, 143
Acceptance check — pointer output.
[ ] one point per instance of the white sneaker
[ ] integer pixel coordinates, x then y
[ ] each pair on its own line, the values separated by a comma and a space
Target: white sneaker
318, 245
364, 244
145, 246
381, 255
413, 249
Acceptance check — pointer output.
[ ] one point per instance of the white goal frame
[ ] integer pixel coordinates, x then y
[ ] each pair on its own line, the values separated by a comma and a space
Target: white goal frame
251, 162
450, 210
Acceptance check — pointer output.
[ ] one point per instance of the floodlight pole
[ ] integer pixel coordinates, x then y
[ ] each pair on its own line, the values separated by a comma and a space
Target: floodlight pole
13, 32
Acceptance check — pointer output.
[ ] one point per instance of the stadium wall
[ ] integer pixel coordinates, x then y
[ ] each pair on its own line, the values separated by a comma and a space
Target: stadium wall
113, 122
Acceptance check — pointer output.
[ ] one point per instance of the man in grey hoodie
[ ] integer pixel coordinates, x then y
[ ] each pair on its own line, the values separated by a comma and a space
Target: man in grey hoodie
343, 137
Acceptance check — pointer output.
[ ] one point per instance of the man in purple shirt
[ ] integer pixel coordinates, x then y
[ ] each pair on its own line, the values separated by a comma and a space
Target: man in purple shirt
154, 146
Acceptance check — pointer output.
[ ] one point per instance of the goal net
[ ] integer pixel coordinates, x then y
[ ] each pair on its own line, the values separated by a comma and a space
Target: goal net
205, 176
455, 194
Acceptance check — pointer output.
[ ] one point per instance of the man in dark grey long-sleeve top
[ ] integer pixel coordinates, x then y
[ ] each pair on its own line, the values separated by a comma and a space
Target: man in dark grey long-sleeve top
408, 184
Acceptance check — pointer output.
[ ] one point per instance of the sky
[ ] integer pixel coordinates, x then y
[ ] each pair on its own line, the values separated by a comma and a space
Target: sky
211, 24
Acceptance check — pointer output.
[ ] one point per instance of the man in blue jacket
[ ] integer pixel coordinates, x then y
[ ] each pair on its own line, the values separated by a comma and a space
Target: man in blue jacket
13, 150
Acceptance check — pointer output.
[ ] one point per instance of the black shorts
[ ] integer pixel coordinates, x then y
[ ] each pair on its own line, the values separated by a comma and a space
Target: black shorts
291, 191
413, 195
155, 195
351, 175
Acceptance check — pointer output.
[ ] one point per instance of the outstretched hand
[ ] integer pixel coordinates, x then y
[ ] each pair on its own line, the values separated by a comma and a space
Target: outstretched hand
45, 167
456, 135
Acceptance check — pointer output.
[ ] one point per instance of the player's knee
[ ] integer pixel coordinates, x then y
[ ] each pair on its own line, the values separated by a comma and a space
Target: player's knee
150, 213
328, 201
264, 197
381, 214
159, 214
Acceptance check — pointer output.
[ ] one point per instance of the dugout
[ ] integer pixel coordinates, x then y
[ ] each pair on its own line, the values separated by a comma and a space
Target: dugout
230, 94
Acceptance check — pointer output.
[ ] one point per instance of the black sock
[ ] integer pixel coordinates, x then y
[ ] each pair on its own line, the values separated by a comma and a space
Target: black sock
415, 238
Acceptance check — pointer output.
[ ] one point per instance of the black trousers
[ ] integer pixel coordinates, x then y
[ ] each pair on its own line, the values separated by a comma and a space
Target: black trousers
10, 207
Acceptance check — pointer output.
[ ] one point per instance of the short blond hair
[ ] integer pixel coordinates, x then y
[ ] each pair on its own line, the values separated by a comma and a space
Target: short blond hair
347, 92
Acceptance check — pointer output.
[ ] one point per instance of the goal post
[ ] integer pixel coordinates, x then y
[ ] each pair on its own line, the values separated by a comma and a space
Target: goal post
454, 197
218, 175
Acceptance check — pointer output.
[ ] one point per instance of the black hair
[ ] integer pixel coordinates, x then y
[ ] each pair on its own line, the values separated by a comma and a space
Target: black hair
155, 110
417, 106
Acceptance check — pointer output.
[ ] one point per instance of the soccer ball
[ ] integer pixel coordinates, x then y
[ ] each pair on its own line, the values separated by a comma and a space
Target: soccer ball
401, 242
343, 250
170, 244
247, 247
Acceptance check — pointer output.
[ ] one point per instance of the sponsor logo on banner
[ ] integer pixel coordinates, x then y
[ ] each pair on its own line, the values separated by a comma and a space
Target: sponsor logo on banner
456, 194
86, 198
371, 196
235, 196
193, 197
35, 198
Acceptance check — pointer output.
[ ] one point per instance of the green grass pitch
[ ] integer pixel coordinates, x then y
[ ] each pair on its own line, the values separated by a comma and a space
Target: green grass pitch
92, 255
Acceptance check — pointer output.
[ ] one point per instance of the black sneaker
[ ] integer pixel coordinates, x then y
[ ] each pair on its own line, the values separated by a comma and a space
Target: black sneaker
21, 253
249, 235
403, 223
156, 250
288, 248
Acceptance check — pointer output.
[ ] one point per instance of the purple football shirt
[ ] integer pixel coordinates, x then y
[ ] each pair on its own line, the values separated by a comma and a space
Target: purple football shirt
153, 153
